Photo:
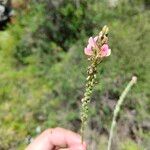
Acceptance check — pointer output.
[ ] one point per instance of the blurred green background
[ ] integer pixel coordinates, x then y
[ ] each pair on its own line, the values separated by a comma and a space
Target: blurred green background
43, 71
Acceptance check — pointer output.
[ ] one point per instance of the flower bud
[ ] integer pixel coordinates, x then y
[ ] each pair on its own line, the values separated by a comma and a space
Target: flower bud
105, 30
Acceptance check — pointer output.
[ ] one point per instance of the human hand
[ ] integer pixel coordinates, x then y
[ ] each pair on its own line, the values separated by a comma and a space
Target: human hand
57, 139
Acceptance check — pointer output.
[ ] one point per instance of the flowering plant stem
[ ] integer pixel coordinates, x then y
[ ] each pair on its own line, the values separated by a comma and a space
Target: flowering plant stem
96, 49
91, 80
117, 109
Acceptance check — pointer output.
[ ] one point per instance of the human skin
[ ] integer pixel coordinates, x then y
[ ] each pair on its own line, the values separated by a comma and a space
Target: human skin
57, 139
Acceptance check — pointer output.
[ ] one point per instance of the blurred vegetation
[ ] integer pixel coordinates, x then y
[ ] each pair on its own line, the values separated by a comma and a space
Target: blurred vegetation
43, 71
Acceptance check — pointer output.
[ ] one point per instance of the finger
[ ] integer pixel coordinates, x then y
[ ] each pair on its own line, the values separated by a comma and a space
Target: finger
82, 147
58, 137
64, 138
40, 143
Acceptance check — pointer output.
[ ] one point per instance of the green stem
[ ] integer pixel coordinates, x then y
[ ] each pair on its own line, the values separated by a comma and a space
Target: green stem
117, 109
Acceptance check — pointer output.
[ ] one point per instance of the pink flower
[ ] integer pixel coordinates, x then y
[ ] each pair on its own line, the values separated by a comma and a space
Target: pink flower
104, 51
91, 44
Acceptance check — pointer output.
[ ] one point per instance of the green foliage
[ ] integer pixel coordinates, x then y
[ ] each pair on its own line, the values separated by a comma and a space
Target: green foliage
130, 145
43, 68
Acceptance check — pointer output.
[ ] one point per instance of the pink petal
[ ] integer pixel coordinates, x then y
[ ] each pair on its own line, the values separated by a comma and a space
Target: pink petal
91, 41
109, 52
105, 51
96, 38
89, 47
91, 44
88, 50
